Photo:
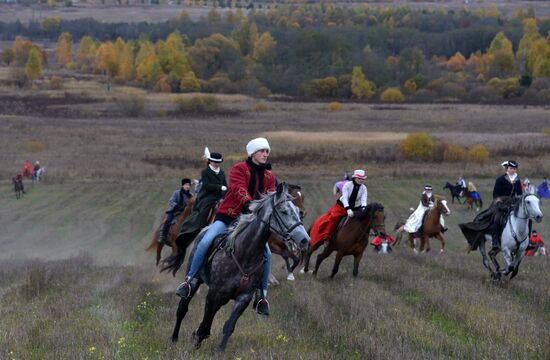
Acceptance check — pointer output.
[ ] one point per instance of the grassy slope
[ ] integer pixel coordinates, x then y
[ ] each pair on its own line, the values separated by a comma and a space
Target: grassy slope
401, 306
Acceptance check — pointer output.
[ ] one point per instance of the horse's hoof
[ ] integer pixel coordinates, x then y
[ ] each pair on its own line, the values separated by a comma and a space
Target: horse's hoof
441, 251
415, 251
174, 339
290, 277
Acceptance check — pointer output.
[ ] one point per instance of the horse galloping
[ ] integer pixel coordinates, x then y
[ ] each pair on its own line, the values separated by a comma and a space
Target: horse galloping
289, 249
351, 238
172, 232
471, 201
236, 273
515, 236
38, 174
455, 191
431, 226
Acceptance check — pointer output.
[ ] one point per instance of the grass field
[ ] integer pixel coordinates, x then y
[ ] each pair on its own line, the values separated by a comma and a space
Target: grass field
75, 282
92, 293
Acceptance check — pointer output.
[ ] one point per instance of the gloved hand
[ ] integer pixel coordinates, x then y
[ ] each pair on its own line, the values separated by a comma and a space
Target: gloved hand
246, 208
431, 204
350, 213
224, 188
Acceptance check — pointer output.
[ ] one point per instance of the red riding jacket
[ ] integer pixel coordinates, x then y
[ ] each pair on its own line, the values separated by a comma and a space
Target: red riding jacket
237, 194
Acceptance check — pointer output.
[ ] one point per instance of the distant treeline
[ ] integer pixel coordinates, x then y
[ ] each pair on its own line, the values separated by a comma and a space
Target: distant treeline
328, 51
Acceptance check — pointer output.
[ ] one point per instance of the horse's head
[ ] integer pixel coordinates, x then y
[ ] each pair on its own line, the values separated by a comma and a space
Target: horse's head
374, 214
441, 205
298, 199
531, 204
283, 217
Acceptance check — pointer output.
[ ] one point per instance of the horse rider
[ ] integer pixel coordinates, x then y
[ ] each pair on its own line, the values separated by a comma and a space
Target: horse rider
414, 222
462, 183
248, 180
177, 204
213, 188
35, 168
536, 245
472, 190
27, 168
19, 179
354, 197
507, 187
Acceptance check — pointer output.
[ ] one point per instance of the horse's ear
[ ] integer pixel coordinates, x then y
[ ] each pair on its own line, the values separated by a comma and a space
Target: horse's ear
531, 189
281, 188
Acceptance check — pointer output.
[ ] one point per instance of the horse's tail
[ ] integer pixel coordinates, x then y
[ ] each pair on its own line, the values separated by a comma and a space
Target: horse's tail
154, 244
174, 262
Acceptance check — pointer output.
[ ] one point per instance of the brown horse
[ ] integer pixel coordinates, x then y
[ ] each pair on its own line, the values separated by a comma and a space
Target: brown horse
431, 227
351, 239
172, 232
279, 247
471, 201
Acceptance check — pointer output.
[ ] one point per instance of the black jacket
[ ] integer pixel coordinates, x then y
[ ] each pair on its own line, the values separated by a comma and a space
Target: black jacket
503, 187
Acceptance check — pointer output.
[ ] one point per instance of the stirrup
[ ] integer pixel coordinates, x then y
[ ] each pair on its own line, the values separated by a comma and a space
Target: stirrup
262, 306
185, 289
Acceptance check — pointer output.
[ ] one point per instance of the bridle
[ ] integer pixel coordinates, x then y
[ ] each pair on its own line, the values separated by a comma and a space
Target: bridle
526, 210
285, 234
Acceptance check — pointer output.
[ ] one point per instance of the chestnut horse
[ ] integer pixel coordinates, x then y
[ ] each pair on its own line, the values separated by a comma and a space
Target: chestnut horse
431, 227
289, 249
351, 239
173, 231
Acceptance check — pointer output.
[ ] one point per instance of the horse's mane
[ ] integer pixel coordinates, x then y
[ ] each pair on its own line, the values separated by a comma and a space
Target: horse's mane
246, 219
370, 209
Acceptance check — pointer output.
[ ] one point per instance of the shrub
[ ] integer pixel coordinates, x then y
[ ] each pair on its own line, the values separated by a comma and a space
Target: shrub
484, 93
505, 87
17, 76
392, 95
546, 131
132, 106
189, 82
409, 87
163, 86
455, 153
55, 82
418, 146
35, 146
198, 104
424, 96
335, 106
452, 90
479, 153
261, 107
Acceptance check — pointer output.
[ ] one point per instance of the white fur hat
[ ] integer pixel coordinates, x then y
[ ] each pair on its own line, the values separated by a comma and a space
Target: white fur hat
256, 145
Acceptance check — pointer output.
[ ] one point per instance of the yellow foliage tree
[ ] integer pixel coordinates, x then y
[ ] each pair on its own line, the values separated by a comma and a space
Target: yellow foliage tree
418, 146
360, 87
85, 56
456, 63
392, 95
64, 49
189, 82
106, 60
33, 69
264, 48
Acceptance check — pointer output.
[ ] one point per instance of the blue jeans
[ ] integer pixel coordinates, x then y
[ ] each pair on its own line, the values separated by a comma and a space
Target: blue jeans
214, 230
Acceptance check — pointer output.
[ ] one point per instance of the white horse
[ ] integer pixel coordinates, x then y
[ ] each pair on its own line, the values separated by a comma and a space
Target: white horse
515, 236
37, 176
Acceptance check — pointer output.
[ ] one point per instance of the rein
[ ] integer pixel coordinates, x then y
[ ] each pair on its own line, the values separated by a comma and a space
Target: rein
245, 276
514, 233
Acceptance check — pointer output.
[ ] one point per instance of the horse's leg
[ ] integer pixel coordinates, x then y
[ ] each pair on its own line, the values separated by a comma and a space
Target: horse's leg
442, 239
356, 260
486, 262
337, 260
159, 252
310, 251
411, 242
493, 256
322, 256
295, 261
241, 303
183, 307
519, 257
213, 304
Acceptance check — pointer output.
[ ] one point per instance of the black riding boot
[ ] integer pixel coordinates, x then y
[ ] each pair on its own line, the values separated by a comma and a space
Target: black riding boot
443, 228
163, 233
260, 304
187, 287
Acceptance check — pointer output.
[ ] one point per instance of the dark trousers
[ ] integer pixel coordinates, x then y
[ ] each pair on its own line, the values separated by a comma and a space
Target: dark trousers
167, 222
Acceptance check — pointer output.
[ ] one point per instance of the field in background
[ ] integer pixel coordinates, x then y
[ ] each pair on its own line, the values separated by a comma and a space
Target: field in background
95, 294
156, 13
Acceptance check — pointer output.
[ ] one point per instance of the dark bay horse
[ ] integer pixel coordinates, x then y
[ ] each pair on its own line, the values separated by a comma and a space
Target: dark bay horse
172, 232
290, 249
17, 188
351, 239
235, 274
431, 226
455, 191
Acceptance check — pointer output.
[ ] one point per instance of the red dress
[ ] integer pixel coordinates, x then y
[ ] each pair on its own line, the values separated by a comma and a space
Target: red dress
326, 224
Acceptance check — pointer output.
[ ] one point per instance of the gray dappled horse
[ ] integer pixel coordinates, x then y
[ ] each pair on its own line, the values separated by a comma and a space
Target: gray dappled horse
515, 236
235, 275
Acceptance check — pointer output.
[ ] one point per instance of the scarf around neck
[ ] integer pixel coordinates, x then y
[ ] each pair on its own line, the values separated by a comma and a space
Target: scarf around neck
256, 172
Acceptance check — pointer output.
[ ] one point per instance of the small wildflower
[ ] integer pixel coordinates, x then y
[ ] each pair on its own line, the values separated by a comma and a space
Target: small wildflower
281, 338
91, 349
